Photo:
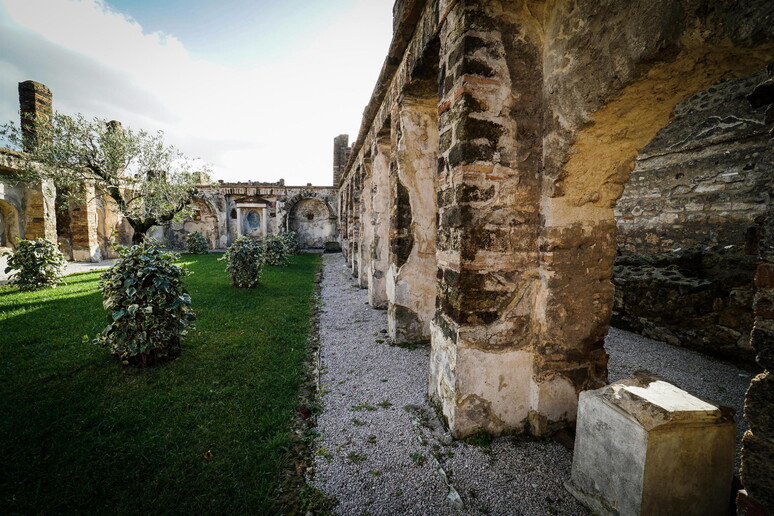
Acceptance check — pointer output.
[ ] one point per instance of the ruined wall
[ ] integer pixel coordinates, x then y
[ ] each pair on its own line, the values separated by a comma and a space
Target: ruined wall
689, 223
705, 179
215, 214
27, 211
543, 108
311, 220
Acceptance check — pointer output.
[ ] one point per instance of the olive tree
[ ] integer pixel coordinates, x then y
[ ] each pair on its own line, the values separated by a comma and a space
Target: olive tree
151, 183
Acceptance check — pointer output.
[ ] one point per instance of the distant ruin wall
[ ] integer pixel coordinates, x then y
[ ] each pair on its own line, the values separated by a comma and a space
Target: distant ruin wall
689, 223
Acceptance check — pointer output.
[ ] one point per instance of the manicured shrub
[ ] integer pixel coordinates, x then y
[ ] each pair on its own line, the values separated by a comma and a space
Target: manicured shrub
290, 239
274, 250
196, 243
150, 310
35, 264
244, 262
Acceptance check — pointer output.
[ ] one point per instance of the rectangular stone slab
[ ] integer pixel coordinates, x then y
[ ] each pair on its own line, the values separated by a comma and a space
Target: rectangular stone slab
646, 447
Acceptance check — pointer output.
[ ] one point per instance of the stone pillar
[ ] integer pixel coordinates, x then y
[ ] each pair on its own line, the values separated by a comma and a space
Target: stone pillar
411, 284
484, 337
83, 226
35, 101
366, 226
264, 221
379, 251
39, 212
757, 470
354, 238
340, 157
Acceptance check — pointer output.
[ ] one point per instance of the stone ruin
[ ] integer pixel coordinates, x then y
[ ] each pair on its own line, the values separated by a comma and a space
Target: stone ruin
87, 228
526, 171
511, 150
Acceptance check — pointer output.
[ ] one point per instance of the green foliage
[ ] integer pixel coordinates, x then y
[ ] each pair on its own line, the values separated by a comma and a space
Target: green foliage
274, 250
150, 308
290, 239
70, 411
151, 182
196, 243
37, 264
244, 262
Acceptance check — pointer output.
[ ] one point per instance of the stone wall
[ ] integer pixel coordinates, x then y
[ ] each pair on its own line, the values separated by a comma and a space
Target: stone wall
689, 223
542, 110
286, 207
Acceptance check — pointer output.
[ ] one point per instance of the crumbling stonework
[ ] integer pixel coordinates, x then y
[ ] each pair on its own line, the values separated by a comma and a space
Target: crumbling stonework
757, 471
225, 211
701, 298
542, 110
703, 184
88, 226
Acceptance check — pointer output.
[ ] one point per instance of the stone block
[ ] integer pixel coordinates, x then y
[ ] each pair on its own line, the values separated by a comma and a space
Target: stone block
646, 447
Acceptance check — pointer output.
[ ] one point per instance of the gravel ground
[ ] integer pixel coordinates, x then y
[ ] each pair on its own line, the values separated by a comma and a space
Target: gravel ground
382, 449
70, 268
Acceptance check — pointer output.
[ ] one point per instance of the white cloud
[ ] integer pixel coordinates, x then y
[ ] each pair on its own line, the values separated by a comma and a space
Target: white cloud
261, 122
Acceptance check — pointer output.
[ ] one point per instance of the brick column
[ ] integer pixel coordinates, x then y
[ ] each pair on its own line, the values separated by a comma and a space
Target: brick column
483, 335
379, 251
35, 101
83, 227
39, 212
411, 285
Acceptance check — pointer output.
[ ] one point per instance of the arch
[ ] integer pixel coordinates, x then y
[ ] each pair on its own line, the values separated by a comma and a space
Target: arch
312, 220
291, 203
10, 229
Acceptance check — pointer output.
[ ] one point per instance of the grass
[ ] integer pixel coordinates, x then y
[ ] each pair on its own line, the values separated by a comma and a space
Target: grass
207, 433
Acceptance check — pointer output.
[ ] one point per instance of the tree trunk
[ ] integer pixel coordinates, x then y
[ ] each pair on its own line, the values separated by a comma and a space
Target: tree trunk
140, 228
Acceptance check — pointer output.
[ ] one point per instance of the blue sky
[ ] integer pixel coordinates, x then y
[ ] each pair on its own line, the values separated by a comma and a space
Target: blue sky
256, 88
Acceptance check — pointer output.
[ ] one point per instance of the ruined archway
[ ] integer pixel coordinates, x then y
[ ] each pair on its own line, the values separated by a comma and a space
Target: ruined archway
10, 230
313, 221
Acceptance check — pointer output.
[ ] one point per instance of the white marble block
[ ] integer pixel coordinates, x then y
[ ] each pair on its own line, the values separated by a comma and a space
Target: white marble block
646, 447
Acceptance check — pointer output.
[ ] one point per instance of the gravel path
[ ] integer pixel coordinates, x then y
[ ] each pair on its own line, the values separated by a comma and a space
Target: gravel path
70, 267
382, 449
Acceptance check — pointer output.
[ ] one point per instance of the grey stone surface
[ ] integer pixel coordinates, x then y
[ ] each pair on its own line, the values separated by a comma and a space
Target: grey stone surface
70, 268
396, 458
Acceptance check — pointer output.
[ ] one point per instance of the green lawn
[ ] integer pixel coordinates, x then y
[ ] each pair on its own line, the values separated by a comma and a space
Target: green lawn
82, 433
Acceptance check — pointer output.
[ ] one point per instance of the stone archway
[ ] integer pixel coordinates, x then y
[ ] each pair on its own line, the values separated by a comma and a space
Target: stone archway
9, 224
538, 138
313, 221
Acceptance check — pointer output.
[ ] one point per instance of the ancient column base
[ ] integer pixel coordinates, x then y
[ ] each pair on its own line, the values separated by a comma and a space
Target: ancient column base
646, 447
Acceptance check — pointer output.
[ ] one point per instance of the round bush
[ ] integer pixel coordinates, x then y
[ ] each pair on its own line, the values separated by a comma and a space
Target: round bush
196, 243
290, 239
274, 250
150, 310
244, 262
35, 264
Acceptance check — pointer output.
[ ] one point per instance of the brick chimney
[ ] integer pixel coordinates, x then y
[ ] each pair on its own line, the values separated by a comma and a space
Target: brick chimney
34, 101
341, 150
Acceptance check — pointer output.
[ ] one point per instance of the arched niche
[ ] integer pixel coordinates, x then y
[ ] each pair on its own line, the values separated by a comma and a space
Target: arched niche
10, 230
313, 221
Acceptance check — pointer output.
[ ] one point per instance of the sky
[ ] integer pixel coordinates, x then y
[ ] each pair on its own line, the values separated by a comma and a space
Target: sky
256, 88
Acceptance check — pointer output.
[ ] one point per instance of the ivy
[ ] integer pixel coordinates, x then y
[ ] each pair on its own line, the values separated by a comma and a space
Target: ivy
274, 250
150, 310
35, 264
196, 243
290, 239
244, 262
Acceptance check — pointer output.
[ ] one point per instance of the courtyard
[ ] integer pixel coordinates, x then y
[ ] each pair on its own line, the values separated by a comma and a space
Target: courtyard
208, 432
213, 430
